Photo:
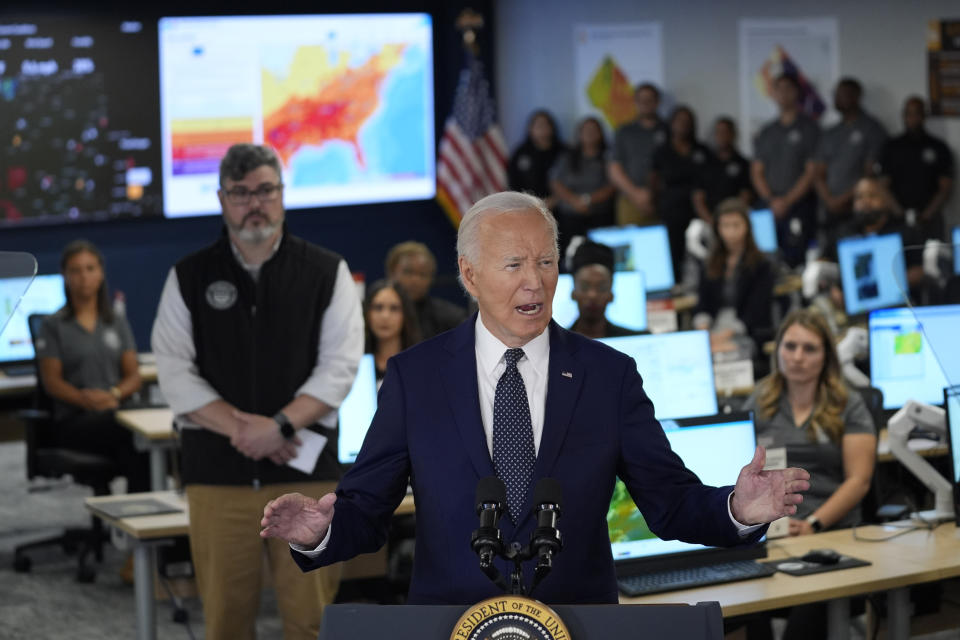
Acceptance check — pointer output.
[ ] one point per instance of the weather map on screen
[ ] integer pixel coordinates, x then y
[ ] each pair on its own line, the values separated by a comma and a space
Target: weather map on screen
345, 100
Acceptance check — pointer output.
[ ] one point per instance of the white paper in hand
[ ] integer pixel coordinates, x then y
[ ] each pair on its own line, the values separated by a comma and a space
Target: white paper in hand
309, 451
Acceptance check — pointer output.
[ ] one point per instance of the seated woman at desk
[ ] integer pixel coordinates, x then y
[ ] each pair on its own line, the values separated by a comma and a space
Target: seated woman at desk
391, 323
736, 284
87, 362
805, 406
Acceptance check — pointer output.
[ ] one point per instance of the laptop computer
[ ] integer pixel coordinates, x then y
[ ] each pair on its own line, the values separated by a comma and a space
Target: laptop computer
715, 448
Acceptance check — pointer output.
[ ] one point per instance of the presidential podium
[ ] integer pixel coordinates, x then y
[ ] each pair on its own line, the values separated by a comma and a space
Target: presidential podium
702, 621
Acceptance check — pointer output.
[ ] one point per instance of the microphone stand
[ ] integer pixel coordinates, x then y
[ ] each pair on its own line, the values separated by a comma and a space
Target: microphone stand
545, 541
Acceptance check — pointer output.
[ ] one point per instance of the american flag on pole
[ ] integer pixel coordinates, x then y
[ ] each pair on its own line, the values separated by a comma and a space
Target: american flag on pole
472, 162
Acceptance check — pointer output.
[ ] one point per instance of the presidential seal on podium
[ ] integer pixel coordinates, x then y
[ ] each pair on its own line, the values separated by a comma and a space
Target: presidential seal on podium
510, 617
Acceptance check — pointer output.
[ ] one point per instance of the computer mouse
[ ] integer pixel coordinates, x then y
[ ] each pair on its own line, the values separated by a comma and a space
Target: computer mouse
821, 556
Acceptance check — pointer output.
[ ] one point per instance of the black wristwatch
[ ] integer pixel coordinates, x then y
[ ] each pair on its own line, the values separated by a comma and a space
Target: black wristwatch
286, 428
815, 524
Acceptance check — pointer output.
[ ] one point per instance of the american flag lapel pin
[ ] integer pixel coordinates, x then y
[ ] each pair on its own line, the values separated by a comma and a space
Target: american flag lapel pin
566, 374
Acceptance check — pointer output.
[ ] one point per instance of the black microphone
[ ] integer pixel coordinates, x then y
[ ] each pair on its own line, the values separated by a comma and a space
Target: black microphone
546, 540
487, 541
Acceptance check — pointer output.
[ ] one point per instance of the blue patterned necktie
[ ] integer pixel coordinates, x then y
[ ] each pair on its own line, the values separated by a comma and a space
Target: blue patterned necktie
513, 450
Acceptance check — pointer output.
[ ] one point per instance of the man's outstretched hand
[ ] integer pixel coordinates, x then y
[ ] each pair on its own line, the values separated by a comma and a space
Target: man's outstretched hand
763, 496
298, 519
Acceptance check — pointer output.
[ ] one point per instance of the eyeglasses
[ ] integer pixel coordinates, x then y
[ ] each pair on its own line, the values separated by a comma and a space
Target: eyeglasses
240, 196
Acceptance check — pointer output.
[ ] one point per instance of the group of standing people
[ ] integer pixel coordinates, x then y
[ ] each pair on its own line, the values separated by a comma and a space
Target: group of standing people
657, 171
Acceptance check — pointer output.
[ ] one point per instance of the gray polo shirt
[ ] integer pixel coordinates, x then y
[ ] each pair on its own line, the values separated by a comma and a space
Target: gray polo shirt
90, 360
821, 457
847, 149
587, 178
785, 151
633, 147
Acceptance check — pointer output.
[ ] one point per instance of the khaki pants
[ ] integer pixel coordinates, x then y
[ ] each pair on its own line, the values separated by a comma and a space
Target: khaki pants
228, 557
629, 213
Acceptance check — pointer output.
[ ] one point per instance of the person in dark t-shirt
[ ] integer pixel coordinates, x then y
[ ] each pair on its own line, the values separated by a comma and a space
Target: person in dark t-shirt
678, 168
918, 168
727, 174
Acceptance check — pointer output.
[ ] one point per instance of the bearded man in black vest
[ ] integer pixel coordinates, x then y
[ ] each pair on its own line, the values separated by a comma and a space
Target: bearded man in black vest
257, 340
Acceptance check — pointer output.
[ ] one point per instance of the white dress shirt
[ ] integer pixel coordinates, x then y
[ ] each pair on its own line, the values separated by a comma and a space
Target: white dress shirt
340, 350
533, 369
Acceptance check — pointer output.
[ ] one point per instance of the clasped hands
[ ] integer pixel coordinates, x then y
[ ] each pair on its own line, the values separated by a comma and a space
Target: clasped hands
98, 400
259, 437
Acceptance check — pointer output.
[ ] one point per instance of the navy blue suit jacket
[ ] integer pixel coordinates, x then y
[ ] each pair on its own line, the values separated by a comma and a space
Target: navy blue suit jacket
599, 424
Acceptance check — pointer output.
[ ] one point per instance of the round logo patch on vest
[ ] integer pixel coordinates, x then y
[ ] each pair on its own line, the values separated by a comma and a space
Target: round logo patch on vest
221, 295
929, 155
510, 618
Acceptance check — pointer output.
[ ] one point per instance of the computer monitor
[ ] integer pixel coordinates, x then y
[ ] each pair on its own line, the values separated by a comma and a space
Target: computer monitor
676, 369
904, 362
713, 447
44, 295
956, 250
951, 402
628, 309
356, 411
764, 230
645, 249
872, 272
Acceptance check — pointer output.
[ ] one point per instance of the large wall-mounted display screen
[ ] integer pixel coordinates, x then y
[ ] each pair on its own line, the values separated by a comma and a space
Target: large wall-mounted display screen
346, 100
79, 120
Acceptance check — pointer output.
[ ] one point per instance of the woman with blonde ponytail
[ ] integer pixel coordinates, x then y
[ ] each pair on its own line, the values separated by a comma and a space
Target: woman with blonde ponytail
805, 406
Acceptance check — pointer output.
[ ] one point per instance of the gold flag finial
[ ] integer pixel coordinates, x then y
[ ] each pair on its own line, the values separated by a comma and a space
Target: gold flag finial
469, 22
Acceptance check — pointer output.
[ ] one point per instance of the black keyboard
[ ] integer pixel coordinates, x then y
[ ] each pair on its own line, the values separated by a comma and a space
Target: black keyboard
15, 370
674, 579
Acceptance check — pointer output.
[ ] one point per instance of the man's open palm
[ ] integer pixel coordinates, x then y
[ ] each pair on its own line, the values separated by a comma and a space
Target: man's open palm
764, 496
297, 518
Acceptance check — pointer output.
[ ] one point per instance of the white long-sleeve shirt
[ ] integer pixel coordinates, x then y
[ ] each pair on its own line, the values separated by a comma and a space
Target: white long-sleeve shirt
339, 352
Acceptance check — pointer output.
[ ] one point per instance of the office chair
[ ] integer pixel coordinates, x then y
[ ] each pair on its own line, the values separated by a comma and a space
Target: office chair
871, 502
45, 460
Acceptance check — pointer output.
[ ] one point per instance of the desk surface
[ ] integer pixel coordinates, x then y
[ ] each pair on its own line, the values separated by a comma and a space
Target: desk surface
167, 525
14, 385
916, 557
153, 424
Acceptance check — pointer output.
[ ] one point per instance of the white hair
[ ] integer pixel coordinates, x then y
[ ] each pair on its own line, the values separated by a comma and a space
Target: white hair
468, 233
503, 202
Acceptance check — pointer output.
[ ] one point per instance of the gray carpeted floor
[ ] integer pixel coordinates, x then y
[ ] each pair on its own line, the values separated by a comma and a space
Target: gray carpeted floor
48, 602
